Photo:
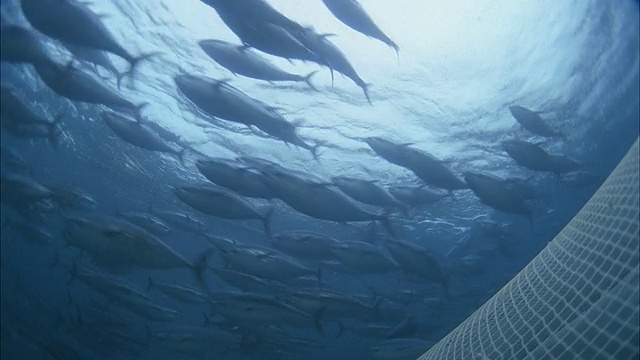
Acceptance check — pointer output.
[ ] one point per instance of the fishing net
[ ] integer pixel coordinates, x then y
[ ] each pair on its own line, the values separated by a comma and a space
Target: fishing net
578, 299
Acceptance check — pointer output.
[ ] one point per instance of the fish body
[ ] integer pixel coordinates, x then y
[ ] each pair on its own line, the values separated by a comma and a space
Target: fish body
22, 45
265, 263
91, 55
138, 134
415, 196
217, 201
78, 85
235, 177
304, 244
352, 14
363, 257
529, 155
242, 61
496, 193
532, 122
366, 192
416, 260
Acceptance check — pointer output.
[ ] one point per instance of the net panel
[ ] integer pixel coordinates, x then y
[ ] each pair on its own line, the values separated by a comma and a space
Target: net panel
578, 299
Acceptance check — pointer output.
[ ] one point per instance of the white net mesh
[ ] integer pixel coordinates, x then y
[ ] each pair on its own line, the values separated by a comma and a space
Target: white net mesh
578, 299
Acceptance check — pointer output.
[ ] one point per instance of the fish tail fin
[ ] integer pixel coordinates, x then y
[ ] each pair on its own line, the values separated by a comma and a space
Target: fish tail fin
266, 219
387, 225
365, 88
138, 111
206, 321
54, 137
340, 329
149, 284
182, 156
314, 150
200, 266
395, 47
332, 77
119, 77
135, 61
307, 79
317, 317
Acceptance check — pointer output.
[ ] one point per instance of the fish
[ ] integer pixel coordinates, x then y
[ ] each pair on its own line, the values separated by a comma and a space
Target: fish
21, 45
93, 56
416, 260
366, 191
195, 341
415, 196
146, 221
582, 178
75, 84
265, 263
394, 153
124, 295
74, 23
331, 56
529, 155
260, 26
19, 189
248, 282
493, 191
28, 231
20, 118
532, 122
240, 60
426, 167
72, 198
179, 292
335, 304
561, 164
116, 244
218, 99
246, 308
304, 244
138, 134
321, 201
399, 349
217, 201
363, 257
235, 177
180, 220
352, 14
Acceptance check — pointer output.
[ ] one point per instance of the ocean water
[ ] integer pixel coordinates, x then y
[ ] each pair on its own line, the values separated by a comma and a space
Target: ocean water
447, 92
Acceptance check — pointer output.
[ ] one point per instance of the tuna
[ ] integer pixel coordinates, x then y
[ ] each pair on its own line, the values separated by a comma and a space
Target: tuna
351, 13
221, 100
415, 196
217, 201
146, 221
73, 22
366, 191
242, 61
417, 261
321, 201
180, 220
82, 86
304, 244
532, 122
495, 192
265, 263
529, 155
22, 45
179, 292
429, 169
138, 134
235, 177
93, 56
331, 56
399, 349
118, 244
363, 257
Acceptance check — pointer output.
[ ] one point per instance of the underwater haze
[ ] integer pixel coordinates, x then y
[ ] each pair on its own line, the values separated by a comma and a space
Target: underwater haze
357, 196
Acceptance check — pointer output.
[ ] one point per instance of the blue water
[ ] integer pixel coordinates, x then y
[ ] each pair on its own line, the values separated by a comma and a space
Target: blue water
460, 65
